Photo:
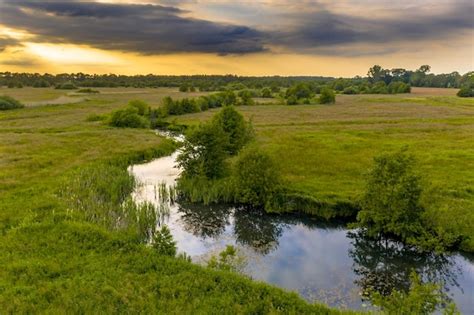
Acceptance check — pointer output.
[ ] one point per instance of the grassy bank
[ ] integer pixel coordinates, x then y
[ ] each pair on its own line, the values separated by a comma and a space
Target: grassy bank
54, 260
325, 151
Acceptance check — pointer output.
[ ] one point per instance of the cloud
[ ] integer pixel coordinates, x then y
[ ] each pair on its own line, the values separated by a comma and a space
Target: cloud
329, 32
6, 41
319, 27
146, 29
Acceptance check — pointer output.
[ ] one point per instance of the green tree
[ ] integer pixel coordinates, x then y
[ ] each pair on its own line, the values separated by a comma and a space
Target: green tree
327, 96
204, 152
239, 132
256, 177
391, 203
163, 242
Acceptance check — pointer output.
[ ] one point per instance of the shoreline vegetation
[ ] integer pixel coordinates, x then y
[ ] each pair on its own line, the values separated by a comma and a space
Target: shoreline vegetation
72, 236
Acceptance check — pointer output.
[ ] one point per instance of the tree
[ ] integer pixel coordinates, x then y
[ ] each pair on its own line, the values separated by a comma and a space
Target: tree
203, 152
238, 131
163, 242
327, 96
128, 118
140, 105
256, 177
391, 203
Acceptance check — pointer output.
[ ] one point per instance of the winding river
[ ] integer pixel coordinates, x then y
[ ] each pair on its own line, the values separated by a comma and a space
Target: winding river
321, 261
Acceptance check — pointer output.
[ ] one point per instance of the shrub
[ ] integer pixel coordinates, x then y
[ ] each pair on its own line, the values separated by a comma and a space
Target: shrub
128, 118
299, 91
163, 242
267, 93
327, 96
350, 90
7, 102
140, 105
255, 177
420, 299
66, 86
391, 203
466, 91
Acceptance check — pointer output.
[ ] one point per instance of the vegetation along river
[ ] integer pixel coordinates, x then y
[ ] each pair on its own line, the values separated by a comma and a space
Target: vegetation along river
321, 261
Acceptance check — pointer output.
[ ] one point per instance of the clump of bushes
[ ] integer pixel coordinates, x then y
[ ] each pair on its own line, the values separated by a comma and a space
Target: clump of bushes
327, 96
134, 116
391, 205
208, 172
467, 90
7, 102
66, 86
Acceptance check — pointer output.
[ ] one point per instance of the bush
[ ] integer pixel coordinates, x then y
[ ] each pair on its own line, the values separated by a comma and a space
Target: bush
238, 131
140, 105
466, 91
128, 118
163, 242
420, 299
350, 90
7, 102
66, 86
266, 93
327, 96
255, 178
391, 203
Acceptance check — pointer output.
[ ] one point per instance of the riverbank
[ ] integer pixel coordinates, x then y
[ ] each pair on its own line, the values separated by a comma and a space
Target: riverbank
325, 152
54, 260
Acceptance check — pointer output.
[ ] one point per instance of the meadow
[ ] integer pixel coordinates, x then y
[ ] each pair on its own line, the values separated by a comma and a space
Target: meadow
325, 151
56, 261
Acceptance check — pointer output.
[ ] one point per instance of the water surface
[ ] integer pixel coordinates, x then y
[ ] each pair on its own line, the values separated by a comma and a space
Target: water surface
320, 261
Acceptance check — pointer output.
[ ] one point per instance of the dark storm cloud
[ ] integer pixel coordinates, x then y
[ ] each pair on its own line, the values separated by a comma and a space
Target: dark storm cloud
146, 29
321, 30
315, 28
6, 41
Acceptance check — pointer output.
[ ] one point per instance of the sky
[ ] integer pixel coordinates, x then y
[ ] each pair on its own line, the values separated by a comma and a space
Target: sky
260, 37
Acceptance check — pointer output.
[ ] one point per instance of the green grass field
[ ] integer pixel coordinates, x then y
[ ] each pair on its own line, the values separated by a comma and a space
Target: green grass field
56, 262
325, 151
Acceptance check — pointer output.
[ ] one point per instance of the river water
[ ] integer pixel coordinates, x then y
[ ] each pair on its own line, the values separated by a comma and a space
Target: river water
321, 261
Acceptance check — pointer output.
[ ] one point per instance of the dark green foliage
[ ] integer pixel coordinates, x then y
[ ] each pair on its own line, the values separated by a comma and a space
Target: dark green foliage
421, 299
299, 91
163, 242
8, 102
256, 178
246, 97
466, 92
128, 118
391, 203
327, 96
267, 93
396, 87
66, 86
350, 90
238, 131
204, 152
41, 84
292, 100
141, 106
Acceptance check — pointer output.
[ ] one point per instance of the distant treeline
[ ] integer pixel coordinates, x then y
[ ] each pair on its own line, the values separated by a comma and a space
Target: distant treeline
419, 78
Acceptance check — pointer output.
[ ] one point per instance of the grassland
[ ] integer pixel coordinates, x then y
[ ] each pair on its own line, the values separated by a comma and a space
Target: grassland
54, 262
325, 151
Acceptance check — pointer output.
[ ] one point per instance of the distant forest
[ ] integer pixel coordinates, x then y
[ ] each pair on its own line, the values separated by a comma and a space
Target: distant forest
419, 78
